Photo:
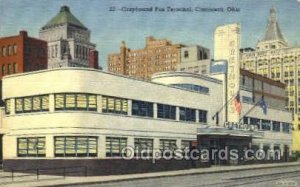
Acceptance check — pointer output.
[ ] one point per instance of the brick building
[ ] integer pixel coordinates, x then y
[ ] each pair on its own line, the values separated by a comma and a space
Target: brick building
157, 56
21, 53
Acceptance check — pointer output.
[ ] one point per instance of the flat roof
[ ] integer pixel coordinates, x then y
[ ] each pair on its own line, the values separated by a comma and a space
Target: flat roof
262, 78
185, 74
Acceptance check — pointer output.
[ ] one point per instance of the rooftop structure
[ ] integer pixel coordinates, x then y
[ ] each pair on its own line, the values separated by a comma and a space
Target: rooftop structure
69, 42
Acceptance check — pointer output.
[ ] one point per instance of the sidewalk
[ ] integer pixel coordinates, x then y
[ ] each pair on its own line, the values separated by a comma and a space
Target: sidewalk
58, 181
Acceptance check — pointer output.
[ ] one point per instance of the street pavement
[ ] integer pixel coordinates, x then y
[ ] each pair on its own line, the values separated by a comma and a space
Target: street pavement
271, 177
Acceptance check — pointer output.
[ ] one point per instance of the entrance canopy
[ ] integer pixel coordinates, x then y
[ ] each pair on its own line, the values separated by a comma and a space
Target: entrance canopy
229, 132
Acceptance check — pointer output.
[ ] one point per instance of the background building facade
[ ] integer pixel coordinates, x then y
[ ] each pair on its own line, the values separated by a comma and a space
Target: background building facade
275, 59
68, 42
194, 59
157, 56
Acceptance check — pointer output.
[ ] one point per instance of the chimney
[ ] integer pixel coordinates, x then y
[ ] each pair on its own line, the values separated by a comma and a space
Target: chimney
23, 33
93, 60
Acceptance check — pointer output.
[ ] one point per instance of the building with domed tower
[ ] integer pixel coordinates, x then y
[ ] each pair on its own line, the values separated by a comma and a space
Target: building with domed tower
274, 58
69, 42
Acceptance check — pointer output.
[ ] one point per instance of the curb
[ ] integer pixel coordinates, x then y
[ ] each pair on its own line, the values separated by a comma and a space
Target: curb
256, 167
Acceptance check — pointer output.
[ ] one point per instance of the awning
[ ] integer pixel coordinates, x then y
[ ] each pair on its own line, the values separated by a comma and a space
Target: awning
229, 132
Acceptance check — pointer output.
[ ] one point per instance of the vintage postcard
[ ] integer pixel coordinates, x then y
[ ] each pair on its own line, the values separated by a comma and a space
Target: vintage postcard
150, 93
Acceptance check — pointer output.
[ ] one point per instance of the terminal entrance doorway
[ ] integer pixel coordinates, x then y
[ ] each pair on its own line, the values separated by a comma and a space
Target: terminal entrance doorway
223, 149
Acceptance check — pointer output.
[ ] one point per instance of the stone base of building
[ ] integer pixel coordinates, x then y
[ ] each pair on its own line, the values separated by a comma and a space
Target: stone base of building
94, 167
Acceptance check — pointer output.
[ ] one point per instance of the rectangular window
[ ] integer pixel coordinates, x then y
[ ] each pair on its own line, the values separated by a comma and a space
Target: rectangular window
286, 127
143, 146
196, 88
15, 49
246, 99
111, 104
75, 146
82, 103
31, 147
125, 106
142, 108
202, 116
92, 102
3, 70
70, 101
7, 106
255, 121
8, 69
114, 146
167, 145
186, 54
276, 126
27, 104
44, 102
166, 111
9, 50
187, 114
79, 101
114, 105
59, 101
36, 103
266, 125
19, 105
3, 51
32, 104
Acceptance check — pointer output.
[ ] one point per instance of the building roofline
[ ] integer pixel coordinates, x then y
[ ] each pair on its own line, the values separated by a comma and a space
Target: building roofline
19, 35
9, 37
262, 78
185, 74
37, 39
280, 49
195, 45
108, 73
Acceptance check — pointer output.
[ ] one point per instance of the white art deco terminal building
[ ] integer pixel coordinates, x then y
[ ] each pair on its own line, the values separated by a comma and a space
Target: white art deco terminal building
76, 116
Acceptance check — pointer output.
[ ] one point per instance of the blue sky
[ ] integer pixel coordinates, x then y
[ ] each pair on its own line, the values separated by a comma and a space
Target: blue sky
108, 29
